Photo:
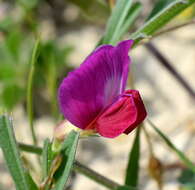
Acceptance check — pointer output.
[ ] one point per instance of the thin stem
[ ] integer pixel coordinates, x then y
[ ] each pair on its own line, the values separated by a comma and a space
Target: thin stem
78, 167
30, 148
30, 91
171, 29
164, 62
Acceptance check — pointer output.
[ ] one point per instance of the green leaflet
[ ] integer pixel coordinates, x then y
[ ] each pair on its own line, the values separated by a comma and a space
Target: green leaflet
116, 21
160, 19
159, 5
68, 152
12, 156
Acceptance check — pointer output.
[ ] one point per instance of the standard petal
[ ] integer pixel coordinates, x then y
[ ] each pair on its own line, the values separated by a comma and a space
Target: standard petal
141, 115
117, 118
86, 91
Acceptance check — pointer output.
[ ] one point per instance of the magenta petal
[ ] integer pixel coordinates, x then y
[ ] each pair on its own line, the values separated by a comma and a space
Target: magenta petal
86, 91
117, 118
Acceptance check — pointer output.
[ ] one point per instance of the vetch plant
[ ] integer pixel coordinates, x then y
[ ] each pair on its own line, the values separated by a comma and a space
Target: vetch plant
93, 97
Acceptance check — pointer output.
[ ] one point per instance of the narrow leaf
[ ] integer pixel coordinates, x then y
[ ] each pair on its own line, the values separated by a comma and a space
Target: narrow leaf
11, 153
159, 5
179, 153
68, 153
132, 170
116, 21
160, 19
131, 17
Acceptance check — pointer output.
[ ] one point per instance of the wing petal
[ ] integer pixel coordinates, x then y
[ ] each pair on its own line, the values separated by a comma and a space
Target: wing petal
117, 118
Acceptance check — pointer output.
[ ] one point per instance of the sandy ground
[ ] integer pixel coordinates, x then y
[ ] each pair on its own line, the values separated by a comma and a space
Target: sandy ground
168, 104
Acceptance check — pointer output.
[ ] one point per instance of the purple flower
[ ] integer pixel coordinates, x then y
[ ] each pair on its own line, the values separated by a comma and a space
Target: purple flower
94, 97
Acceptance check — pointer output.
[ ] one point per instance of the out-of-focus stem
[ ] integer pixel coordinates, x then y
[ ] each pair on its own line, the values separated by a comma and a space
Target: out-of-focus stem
78, 167
30, 91
161, 58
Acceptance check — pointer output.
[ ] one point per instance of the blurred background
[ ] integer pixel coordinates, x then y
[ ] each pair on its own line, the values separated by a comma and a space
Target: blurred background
69, 30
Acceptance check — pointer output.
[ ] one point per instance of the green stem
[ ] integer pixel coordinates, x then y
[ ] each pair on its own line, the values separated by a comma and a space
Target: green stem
30, 91
78, 167
30, 148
